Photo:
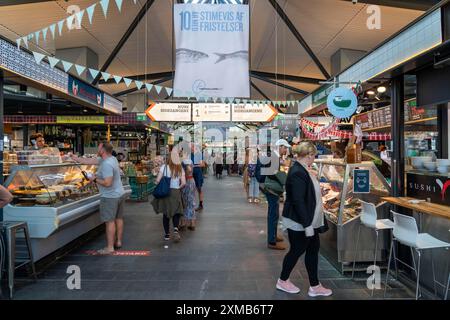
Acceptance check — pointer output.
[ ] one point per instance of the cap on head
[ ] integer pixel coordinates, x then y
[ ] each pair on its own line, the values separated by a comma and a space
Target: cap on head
283, 143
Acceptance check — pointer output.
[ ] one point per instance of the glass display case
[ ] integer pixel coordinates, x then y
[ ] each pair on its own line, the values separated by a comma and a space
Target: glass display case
50, 185
57, 201
342, 208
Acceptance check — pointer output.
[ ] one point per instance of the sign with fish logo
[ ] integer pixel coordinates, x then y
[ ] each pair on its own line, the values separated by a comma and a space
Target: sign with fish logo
342, 103
212, 50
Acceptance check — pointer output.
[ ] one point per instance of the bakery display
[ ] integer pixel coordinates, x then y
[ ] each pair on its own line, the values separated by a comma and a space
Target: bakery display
51, 186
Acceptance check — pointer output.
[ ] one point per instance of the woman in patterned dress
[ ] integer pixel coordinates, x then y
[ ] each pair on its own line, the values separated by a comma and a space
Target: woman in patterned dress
189, 198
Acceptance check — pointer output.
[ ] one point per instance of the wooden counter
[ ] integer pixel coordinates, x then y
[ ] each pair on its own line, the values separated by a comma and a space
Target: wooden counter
434, 209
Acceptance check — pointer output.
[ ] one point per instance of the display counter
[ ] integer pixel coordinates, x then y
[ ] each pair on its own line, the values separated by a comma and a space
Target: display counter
342, 210
57, 201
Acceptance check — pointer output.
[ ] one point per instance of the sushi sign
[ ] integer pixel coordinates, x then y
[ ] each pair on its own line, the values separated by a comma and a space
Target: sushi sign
342, 103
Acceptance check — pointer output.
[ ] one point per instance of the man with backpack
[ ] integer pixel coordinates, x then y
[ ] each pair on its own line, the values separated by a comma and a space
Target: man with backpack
272, 181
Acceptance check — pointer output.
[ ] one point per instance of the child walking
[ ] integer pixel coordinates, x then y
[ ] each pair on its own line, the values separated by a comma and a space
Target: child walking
189, 198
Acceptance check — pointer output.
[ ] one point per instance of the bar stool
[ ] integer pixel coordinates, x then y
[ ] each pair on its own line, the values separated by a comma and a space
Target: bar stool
368, 218
9, 230
407, 233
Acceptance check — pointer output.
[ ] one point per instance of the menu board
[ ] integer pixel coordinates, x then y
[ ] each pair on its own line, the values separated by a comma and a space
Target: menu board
374, 119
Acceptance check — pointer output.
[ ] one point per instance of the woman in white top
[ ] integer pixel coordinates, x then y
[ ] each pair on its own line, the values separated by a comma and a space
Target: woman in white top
172, 205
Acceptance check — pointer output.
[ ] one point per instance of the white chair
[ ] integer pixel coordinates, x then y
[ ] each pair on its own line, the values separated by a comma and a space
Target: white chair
368, 218
407, 233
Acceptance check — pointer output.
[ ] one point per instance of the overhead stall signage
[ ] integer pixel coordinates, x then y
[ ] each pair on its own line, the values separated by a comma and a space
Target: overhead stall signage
435, 187
170, 112
80, 119
22, 63
212, 50
112, 104
85, 92
253, 113
342, 103
211, 112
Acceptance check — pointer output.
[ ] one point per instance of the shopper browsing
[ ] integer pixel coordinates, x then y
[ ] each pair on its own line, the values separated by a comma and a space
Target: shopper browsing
171, 206
304, 220
112, 197
189, 198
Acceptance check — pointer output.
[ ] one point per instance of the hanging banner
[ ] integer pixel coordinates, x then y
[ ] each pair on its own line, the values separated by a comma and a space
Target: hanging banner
212, 50
86, 92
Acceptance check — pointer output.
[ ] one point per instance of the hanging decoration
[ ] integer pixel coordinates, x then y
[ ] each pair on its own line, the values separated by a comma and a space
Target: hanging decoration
316, 131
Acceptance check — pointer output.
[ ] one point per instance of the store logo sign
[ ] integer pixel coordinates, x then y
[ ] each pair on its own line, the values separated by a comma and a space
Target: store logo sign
374, 20
342, 103
424, 187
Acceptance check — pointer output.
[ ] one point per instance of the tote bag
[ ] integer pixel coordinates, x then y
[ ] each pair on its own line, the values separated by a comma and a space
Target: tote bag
162, 190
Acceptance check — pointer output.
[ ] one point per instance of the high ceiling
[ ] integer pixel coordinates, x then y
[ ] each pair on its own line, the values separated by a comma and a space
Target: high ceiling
325, 25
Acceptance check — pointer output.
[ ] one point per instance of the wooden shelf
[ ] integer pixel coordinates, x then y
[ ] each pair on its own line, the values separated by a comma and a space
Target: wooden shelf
434, 209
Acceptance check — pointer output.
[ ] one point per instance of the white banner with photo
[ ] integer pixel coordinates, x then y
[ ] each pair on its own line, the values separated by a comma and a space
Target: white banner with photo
212, 50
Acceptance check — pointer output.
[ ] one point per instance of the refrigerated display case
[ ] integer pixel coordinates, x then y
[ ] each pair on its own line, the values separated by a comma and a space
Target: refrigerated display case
57, 201
342, 210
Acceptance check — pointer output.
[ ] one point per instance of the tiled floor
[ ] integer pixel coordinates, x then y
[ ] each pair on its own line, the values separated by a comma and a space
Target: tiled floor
225, 258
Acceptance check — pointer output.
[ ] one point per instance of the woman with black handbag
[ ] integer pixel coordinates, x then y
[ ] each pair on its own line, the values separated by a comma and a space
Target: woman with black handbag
303, 219
168, 200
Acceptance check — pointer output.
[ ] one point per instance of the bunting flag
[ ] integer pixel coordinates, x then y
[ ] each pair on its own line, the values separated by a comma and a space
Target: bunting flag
158, 89
106, 76
44, 33
36, 36
105, 5
90, 12
52, 30
127, 81
94, 73
149, 86
169, 91
79, 16
18, 41
25, 41
38, 57
119, 5
80, 69
117, 79
60, 26
138, 84
53, 61
66, 65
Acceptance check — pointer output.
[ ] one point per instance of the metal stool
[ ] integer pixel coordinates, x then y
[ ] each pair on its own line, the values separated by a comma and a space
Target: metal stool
9, 230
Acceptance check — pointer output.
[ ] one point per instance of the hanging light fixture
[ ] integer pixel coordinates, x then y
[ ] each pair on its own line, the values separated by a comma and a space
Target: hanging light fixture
381, 89
370, 92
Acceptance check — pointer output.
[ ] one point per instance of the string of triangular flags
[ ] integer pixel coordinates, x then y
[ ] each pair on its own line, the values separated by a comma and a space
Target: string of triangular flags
56, 29
81, 69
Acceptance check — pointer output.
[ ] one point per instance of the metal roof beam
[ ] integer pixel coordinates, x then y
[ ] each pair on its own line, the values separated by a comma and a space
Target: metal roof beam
287, 77
124, 38
259, 90
299, 37
282, 85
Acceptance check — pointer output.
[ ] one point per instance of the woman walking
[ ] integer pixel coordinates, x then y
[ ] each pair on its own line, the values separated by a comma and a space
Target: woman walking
189, 198
172, 205
253, 193
303, 218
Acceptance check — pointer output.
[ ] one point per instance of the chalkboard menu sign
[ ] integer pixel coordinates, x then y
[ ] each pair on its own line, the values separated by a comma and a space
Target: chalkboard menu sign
382, 117
375, 119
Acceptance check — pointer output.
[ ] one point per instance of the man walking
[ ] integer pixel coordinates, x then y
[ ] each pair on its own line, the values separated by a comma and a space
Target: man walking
111, 195
273, 199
